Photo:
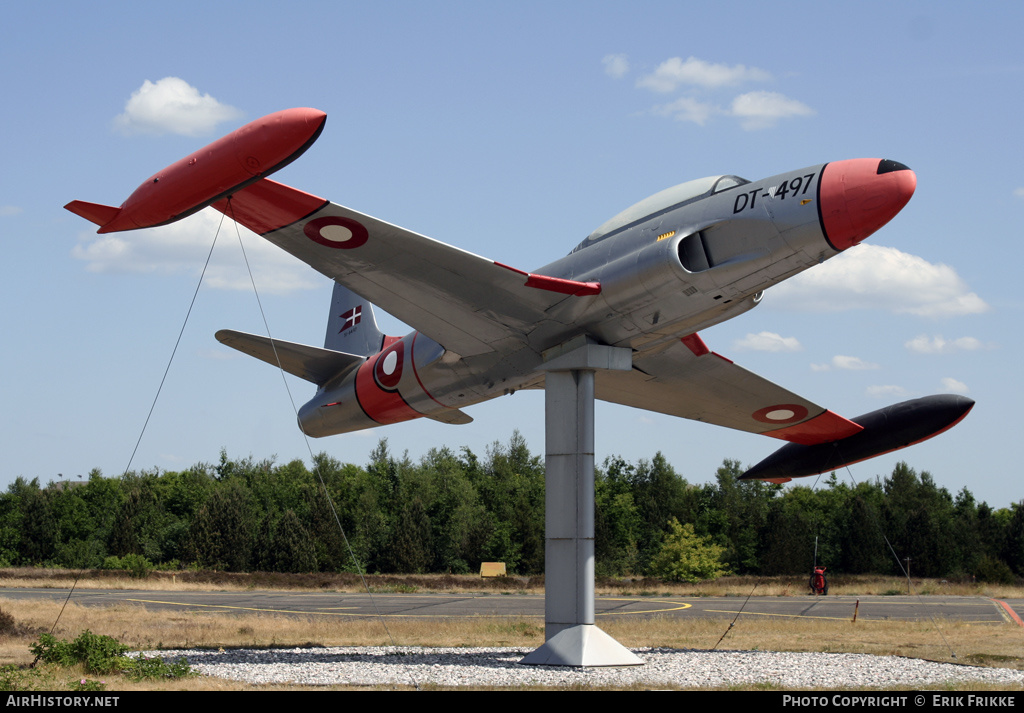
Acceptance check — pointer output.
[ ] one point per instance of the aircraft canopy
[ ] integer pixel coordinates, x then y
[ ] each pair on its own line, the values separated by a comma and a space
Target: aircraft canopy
663, 200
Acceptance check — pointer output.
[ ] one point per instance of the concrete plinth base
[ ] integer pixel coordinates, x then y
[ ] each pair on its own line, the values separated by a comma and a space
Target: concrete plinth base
572, 638
582, 645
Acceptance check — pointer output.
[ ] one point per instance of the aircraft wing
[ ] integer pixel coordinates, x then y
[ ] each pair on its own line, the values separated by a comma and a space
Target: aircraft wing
690, 381
465, 302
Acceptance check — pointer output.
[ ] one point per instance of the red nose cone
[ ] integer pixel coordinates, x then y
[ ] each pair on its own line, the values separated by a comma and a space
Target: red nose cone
861, 195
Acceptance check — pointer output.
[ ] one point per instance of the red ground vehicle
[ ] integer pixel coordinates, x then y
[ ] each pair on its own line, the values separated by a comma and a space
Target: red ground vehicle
819, 583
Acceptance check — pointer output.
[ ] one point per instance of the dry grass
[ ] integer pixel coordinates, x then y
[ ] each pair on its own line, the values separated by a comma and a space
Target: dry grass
239, 581
627, 586
860, 585
993, 645
988, 645
1000, 645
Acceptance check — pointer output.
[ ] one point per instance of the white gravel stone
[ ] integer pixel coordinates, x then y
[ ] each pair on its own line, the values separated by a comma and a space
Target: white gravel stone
500, 667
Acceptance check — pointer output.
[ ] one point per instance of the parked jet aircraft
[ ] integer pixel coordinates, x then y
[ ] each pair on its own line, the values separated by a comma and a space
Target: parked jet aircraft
649, 279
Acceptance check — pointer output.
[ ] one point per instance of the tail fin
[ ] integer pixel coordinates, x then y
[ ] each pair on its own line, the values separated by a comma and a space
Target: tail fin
351, 326
94, 212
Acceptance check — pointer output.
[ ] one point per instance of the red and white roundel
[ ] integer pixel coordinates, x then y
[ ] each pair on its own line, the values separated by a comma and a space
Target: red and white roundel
387, 371
336, 232
780, 414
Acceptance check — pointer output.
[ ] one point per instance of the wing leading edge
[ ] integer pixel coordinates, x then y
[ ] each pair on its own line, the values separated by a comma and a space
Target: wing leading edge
465, 302
690, 381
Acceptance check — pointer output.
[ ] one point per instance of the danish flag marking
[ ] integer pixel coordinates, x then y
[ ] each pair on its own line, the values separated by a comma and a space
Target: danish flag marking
351, 317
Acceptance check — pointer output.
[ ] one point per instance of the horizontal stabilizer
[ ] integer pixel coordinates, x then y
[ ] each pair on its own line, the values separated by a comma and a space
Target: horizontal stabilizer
451, 416
886, 430
306, 362
93, 212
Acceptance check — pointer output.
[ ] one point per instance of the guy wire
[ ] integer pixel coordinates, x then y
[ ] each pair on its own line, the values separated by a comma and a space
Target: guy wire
878, 526
152, 406
312, 458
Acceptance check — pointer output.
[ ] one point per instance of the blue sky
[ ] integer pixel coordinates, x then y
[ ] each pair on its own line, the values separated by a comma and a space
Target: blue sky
512, 132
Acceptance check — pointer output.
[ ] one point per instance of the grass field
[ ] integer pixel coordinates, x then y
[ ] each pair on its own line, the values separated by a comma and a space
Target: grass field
1000, 645
346, 582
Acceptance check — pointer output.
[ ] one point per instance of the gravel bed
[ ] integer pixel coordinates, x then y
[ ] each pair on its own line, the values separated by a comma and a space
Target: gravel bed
499, 667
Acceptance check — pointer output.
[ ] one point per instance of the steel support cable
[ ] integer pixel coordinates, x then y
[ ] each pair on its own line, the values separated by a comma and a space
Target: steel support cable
177, 342
152, 406
745, 602
312, 458
736, 618
878, 526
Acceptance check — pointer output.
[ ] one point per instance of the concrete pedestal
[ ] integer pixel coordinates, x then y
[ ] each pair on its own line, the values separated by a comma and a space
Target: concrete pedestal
572, 638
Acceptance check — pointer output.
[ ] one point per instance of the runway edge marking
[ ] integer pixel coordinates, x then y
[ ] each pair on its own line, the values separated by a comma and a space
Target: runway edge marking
1009, 611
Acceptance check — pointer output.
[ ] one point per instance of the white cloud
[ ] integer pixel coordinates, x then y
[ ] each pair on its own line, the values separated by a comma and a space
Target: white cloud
754, 110
220, 354
878, 277
172, 106
673, 72
7, 210
957, 387
615, 65
768, 342
688, 109
761, 110
923, 344
1019, 192
852, 363
888, 390
182, 247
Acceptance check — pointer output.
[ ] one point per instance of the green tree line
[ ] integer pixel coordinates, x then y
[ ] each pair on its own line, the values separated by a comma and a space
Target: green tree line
449, 512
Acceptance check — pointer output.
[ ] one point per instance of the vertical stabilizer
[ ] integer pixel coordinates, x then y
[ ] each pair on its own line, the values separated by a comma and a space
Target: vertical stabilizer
351, 326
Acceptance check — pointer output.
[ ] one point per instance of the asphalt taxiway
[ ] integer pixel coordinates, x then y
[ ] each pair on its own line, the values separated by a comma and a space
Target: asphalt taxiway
978, 610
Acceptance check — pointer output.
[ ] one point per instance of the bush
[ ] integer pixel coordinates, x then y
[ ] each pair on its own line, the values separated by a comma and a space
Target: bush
994, 571
13, 678
104, 654
138, 668
687, 557
138, 566
11, 627
97, 653
7, 623
88, 684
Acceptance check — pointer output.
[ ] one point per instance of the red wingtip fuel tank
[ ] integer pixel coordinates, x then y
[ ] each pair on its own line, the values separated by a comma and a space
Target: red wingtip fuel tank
227, 165
859, 196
